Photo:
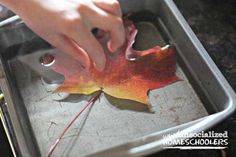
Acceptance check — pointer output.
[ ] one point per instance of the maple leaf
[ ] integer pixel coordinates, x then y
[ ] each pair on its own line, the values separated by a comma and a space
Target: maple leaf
128, 74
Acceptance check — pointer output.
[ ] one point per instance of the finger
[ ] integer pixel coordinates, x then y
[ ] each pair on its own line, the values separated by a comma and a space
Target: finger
69, 47
117, 37
86, 40
112, 24
110, 6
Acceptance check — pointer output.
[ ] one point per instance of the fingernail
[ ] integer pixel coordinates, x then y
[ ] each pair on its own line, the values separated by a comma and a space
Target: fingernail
100, 65
110, 47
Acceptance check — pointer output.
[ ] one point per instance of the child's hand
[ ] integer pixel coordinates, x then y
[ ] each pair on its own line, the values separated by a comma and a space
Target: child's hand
67, 25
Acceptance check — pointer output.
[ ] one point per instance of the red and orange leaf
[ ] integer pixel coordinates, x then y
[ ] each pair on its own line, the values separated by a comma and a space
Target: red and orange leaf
129, 74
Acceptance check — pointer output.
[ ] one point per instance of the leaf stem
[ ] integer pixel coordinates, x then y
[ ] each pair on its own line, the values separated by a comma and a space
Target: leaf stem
70, 124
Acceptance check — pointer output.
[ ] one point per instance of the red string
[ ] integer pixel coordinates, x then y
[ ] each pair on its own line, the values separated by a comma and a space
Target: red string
74, 119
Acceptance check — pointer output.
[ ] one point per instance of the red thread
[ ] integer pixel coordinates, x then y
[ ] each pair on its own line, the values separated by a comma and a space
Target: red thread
74, 119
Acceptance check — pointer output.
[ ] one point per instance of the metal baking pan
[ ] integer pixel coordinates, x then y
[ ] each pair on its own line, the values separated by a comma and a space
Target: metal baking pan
201, 100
